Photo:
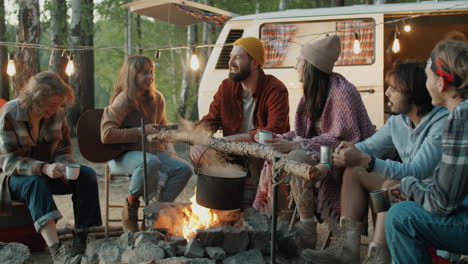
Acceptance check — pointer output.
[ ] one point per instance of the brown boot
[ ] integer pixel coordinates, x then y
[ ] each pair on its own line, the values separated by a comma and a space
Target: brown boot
130, 216
62, 255
346, 249
378, 255
307, 234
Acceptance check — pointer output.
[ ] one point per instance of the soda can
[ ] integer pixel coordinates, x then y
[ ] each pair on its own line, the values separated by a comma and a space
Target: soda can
326, 154
264, 135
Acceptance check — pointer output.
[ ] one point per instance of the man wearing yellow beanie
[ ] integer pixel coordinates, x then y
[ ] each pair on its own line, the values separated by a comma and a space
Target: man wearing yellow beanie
246, 102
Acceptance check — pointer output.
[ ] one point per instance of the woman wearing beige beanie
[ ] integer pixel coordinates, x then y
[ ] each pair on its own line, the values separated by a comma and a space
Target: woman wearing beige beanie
331, 110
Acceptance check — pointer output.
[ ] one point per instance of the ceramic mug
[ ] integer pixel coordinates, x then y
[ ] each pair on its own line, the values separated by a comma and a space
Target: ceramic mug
72, 171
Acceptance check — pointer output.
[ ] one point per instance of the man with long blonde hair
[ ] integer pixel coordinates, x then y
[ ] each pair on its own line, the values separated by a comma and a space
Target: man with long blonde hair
35, 148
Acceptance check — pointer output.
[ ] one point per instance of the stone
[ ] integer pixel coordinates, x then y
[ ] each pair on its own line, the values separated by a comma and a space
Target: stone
209, 237
14, 253
194, 249
216, 253
203, 261
127, 255
177, 260
127, 239
146, 236
180, 250
148, 251
253, 256
235, 240
91, 255
169, 248
255, 220
260, 239
180, 241
109, 253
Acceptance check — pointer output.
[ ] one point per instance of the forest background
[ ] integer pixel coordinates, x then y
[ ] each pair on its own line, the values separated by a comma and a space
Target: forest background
111, 33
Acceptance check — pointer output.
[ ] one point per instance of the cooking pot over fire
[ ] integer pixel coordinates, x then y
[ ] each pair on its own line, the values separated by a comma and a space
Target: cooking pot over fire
220, 188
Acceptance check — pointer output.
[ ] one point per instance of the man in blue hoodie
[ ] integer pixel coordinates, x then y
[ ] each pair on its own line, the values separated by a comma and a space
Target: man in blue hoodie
414, 133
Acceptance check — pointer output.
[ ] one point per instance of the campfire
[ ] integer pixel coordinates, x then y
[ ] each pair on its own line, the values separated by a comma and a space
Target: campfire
197, 217
184, 219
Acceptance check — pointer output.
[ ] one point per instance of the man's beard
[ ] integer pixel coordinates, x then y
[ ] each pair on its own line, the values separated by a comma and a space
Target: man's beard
242, 75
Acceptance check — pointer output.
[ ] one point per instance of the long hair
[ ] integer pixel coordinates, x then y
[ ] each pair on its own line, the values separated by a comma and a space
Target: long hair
126, 82
455, 56
41, 87
316, 86
411, 81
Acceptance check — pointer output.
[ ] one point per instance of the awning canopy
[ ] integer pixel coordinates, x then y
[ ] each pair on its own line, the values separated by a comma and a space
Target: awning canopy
179, 12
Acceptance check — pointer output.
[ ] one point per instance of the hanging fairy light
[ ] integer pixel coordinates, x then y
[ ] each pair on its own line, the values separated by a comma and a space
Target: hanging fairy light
11, 68
194, 64
356, 44
396, 42
407, 27
70, 69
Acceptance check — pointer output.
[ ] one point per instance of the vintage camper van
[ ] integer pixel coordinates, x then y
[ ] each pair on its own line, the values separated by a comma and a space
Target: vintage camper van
375, 26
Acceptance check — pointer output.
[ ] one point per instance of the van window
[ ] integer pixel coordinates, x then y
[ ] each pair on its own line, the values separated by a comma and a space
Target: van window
223, 60
283, 41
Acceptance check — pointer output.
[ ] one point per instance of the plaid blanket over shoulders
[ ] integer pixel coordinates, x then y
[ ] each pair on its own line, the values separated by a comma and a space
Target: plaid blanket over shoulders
344, 118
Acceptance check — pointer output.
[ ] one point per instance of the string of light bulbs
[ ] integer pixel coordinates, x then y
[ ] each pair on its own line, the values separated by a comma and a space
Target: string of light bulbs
194, 61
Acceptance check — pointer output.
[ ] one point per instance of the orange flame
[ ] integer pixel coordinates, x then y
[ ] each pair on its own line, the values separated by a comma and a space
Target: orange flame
197, 217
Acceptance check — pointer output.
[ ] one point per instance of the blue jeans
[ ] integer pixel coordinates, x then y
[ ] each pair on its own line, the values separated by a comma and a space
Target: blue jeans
410, 232
178, 171
37, 192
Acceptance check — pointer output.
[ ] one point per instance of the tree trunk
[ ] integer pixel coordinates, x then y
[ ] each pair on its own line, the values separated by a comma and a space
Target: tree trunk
59, 35
192, 96
82, 80
283, 5
188, 106
29, 30
337, 3
280, 160
257, 7
380, 2
128, 31
139, 35
4, 84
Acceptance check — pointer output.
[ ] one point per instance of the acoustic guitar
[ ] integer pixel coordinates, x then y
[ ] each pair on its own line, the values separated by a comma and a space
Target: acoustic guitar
89, 136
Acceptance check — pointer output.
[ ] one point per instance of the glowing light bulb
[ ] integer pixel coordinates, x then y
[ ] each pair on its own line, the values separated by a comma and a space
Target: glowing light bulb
396, 44
407, 28
194, 64
356, 44
11, 68
70, 69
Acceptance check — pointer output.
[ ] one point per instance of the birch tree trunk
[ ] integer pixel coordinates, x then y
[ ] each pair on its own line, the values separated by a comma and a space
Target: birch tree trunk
4, 84
283, 5
59, 35
29, 30
280, 160
82, 80
128, 31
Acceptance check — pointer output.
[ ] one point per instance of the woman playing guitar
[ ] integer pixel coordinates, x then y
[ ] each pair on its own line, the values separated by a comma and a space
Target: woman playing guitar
134, 91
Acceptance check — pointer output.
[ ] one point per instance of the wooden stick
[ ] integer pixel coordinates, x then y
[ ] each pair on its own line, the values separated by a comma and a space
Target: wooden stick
256, 150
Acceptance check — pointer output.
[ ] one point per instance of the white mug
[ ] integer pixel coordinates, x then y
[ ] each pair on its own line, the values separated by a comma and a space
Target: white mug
264, 135
72, 171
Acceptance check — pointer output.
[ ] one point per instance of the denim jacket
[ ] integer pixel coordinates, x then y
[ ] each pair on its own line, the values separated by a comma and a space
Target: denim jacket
419, 148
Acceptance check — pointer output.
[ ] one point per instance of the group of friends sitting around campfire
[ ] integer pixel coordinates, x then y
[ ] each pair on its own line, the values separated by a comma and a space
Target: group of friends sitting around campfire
428, 180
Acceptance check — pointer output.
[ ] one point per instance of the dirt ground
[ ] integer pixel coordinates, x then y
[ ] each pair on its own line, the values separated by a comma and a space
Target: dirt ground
118, 190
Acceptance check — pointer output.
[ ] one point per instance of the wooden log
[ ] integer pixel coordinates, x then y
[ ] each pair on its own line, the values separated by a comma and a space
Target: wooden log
280, 160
